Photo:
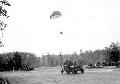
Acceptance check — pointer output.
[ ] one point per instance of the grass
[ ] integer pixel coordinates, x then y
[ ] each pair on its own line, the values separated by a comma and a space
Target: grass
52, 75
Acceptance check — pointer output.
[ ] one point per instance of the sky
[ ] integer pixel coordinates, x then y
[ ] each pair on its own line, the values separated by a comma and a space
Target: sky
86, 25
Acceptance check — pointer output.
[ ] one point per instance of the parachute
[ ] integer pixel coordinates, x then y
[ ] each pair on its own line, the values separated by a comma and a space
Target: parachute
55, 14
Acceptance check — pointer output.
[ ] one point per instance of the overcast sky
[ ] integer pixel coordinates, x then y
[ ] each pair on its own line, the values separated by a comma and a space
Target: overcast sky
86, 24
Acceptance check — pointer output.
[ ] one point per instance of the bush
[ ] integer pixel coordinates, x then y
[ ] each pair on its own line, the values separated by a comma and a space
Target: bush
26, 68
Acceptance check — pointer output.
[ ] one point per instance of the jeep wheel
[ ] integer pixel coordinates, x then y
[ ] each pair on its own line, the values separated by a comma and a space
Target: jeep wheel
67, 71
82, 70
75, 72
62, 71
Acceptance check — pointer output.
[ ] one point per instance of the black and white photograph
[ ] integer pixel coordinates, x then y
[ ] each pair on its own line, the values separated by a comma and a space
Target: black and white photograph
59, 41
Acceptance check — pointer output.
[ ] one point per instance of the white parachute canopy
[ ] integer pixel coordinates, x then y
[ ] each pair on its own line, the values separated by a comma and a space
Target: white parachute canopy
55, 14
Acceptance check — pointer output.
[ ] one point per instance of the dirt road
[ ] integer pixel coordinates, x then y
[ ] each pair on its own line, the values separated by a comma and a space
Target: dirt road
53, 76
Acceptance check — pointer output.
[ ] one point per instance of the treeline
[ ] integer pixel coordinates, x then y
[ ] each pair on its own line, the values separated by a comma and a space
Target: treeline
107, 55
87, 57
17, 61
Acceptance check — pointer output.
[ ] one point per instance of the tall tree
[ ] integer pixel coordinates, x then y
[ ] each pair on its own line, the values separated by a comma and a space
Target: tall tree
60, 58
113, 52
18, 60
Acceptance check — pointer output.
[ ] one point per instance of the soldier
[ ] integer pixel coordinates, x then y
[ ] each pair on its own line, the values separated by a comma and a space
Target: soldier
70, 63
75, 64
62, 69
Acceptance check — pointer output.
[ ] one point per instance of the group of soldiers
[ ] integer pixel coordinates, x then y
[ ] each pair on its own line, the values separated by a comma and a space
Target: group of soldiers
69, 63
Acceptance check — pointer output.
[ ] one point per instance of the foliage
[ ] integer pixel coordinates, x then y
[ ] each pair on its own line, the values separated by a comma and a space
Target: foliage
87, 57
104, 56
112, 53
17, 61
4, 14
